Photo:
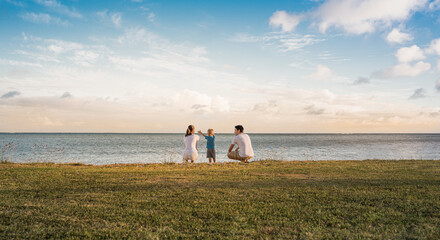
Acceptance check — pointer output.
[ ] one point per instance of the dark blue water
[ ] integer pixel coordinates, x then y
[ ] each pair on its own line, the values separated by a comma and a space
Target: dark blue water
159, 148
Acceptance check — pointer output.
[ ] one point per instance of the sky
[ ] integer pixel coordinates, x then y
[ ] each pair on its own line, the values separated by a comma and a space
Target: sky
312, 66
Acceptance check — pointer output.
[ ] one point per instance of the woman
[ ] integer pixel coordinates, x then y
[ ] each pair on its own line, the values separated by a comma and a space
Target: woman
191, 141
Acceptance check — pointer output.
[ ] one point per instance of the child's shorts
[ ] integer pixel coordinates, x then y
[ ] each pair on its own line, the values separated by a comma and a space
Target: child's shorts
210, 153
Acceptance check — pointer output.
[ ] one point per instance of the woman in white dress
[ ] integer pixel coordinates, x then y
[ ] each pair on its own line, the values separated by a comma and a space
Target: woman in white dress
191, 141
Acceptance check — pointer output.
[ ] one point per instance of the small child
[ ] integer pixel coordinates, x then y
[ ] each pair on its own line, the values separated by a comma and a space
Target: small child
210, 145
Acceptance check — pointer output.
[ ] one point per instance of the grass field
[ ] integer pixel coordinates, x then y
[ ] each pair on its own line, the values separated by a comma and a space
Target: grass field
267, 199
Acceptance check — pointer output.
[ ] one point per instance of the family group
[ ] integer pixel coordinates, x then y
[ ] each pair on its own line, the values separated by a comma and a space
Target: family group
243, 152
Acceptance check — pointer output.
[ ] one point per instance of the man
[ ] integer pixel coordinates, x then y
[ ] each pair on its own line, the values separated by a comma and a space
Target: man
244, 151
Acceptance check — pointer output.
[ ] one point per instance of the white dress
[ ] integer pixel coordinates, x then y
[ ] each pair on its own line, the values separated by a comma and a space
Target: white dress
191, 142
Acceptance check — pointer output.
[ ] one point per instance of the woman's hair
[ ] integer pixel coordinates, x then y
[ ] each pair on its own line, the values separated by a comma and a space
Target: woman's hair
189, 130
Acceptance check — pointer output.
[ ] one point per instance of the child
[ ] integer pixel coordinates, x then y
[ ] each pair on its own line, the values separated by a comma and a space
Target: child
210, 145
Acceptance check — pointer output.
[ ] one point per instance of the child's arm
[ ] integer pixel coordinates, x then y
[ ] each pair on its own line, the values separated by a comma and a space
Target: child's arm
201, 133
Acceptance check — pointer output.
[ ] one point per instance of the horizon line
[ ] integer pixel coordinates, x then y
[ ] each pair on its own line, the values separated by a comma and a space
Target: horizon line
220, 133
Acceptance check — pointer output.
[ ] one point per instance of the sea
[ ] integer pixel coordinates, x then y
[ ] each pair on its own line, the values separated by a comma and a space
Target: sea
116, 148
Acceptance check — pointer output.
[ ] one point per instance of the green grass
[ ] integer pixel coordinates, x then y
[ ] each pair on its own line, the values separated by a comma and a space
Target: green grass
268, 199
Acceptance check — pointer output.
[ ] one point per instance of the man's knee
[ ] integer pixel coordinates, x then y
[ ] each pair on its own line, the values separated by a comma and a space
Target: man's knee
233, 155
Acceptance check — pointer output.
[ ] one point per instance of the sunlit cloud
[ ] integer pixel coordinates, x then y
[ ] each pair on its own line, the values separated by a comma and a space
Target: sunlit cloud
360, 17
322, 73
397, 36
286, 21
404, 70
409, 54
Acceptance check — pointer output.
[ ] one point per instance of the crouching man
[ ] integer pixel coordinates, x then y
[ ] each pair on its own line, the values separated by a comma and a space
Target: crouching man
244, 151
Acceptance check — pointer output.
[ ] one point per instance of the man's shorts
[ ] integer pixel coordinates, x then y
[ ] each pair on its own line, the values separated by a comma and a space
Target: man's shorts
210, 153
236, 156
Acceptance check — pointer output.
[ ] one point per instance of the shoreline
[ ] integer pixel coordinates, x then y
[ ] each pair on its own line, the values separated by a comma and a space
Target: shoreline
206, 163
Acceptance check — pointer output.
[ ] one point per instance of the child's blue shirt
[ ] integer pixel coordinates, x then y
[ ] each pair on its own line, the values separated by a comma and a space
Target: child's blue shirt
210, 142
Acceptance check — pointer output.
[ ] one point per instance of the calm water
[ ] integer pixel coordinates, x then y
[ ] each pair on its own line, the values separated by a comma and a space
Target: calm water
159, 148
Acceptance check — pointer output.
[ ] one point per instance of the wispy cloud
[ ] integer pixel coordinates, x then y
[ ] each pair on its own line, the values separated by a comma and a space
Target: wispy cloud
313, 110
284, 42
10, 94
418, 93
56, 6
114, 17
434, 5
151, 17
361, 80
16, 3
66, 95
43, 18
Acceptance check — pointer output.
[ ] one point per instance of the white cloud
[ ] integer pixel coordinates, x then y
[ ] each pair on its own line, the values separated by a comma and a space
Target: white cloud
284, 42
438, 64
437, 85
60, 8
396, 36
359, 17
43, 18
286, 21
322, 73
434, 47
409, 54
405, 70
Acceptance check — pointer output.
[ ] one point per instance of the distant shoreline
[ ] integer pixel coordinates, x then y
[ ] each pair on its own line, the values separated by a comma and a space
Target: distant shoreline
222, 133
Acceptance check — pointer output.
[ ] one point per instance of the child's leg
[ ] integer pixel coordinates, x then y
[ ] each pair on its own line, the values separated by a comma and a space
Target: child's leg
213, 160
209, 160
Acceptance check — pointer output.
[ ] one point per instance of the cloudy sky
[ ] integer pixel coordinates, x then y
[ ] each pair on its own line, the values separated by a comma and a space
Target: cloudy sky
274, 66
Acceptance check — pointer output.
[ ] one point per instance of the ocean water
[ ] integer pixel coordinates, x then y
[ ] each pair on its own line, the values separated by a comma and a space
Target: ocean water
96, 148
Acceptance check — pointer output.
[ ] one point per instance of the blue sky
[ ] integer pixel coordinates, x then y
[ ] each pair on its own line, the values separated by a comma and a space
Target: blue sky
273, 66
